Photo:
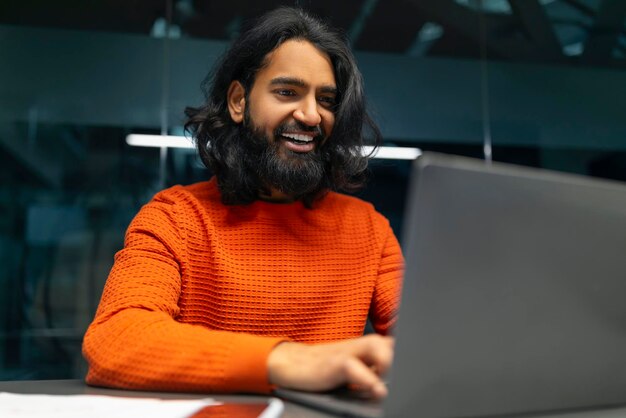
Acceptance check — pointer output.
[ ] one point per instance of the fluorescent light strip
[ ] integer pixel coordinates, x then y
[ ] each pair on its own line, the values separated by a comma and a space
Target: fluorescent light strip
393, 153
159, 141
171, 141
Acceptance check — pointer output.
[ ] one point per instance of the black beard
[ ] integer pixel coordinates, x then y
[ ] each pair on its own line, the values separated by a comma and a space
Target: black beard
292, 173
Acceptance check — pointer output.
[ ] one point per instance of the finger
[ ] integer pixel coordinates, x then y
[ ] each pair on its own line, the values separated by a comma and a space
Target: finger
387, 362
358, 373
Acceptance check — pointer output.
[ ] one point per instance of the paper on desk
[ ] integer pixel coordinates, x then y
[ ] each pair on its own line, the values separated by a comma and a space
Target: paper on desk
96, 406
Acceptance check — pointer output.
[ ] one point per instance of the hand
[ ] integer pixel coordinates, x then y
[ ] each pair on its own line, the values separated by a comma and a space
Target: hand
360, 362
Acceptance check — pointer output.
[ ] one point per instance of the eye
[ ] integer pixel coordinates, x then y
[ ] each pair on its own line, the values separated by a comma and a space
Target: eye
285, 92
328, 102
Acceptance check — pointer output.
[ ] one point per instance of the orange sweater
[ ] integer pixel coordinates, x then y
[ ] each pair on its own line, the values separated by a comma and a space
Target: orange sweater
202, 292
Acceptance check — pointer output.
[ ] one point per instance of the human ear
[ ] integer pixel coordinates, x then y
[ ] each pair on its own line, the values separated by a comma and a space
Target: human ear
236, 98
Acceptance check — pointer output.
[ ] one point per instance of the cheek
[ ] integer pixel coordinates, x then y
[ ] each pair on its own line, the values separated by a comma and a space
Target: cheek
328, 124
264, 121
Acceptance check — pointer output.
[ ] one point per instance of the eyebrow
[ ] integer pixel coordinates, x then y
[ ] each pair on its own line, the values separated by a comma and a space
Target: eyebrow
298, 82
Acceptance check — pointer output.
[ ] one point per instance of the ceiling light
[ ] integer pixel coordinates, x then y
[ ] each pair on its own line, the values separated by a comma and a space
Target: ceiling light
173, 141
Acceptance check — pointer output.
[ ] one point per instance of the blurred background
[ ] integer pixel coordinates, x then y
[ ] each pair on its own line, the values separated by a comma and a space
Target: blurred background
534, 82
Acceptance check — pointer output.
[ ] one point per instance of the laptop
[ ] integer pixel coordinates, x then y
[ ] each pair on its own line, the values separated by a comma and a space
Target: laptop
514, 298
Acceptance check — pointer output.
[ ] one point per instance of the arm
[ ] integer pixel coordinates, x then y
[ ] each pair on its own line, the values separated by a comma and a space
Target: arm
135, 341
361, 361
386, 298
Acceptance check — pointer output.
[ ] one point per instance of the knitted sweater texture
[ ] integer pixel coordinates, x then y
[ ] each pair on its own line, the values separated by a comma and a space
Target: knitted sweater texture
202, 292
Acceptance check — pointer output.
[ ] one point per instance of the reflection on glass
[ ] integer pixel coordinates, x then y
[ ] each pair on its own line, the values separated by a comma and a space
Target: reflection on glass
77, 78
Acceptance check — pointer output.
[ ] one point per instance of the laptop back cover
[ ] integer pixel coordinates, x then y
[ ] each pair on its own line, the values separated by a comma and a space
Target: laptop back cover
514, 293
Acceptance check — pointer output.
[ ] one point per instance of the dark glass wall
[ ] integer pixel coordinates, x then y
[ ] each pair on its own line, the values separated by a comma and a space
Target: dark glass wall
533, 82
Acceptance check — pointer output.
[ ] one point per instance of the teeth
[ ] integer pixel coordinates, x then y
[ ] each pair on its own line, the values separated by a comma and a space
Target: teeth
299, 137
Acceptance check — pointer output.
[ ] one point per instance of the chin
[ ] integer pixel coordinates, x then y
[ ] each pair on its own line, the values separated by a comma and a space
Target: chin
297, 159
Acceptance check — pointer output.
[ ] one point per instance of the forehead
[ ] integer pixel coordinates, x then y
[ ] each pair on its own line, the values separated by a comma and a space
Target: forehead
299, 59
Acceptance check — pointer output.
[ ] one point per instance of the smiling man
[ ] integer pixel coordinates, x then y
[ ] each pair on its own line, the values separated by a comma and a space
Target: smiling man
265, 275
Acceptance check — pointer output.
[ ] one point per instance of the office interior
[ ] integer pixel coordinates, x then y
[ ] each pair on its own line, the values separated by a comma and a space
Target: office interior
540, 83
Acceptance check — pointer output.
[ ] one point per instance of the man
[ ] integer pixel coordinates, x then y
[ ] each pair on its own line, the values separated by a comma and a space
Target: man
264, 276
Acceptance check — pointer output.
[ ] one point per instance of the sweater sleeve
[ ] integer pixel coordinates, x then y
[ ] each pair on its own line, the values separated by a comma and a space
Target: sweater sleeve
135, 341
386, 300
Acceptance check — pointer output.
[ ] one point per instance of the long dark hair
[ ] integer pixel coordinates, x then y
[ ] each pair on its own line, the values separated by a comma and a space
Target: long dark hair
216, 134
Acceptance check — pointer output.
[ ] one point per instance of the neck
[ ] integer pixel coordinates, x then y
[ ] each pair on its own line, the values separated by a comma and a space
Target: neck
276, 196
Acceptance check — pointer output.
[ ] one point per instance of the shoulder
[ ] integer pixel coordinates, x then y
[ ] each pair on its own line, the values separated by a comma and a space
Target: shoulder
345, 201
180, 204
353, 209
202, 192
190, 200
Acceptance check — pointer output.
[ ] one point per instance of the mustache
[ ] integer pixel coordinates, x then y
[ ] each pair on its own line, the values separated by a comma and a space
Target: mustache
299, 127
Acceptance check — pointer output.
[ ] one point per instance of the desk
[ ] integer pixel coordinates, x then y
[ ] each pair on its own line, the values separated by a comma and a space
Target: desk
78, 387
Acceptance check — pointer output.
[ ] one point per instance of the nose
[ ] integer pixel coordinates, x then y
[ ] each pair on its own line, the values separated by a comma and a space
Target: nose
307, 112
